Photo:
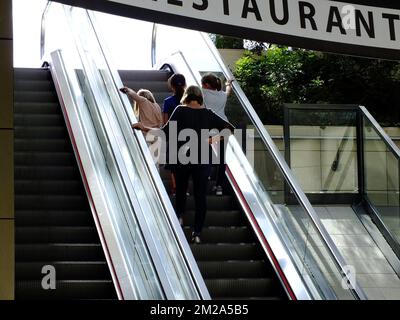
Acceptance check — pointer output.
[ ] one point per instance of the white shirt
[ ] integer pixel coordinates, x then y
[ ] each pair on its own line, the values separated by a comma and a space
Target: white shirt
216, 101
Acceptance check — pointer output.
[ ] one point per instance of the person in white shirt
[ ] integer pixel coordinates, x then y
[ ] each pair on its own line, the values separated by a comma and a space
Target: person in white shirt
215, 99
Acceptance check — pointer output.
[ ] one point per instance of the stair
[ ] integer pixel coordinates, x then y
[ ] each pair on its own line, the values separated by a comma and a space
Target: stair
54, 225
229, 257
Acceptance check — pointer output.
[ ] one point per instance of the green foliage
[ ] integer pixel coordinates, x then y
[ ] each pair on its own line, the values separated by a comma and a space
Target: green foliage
224, 42
280, 76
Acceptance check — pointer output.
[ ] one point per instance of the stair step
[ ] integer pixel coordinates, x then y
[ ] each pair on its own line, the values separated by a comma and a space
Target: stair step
235, 269
35, 96
215, 218
66, 159
33, 85
50, 202
39, 120
56, 235
223, 235
49, 187
227, 251
138, 75
35, 74
66, 290
213, 202
242, 287
56, 218
40, 133
36, 108
153, 86
65, 270
58, 252
46, 173
42, 145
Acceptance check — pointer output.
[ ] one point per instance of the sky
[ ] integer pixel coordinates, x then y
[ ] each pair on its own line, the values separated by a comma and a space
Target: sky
26, 27
128, 40
27, 16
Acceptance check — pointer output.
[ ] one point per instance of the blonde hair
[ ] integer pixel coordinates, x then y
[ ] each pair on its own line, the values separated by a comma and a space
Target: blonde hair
192, 93
145, 94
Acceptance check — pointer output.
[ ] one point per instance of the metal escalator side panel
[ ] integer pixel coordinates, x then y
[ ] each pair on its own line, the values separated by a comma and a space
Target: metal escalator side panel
264, 229
86, 165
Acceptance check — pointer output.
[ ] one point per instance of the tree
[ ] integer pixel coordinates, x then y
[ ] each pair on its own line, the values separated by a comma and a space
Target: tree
280, 76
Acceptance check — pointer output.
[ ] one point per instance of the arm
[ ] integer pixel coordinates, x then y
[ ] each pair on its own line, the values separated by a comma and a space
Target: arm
132, 94
228, 87
165, 118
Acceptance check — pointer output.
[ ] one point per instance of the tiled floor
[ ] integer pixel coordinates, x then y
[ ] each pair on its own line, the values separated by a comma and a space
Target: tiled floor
372, 271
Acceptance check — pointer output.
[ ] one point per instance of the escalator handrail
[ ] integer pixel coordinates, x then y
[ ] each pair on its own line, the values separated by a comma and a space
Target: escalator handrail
154, 175
289, 177
382, 133
43, 29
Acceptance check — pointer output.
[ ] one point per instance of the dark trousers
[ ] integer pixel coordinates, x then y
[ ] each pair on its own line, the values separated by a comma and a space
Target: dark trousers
199, 175
221, 167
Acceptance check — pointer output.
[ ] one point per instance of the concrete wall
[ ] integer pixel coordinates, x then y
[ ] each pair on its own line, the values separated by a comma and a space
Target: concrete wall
7, 260
230, 56
312, 155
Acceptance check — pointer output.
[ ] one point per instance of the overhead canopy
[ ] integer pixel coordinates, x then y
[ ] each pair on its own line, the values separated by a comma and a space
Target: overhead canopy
369, 28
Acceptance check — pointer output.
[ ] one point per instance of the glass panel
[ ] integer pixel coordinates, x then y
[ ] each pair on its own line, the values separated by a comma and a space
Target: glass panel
381, 168
310, 253
323, 150
134, 193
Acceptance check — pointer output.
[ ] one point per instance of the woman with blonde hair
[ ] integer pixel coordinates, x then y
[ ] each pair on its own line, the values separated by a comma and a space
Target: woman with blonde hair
145, 107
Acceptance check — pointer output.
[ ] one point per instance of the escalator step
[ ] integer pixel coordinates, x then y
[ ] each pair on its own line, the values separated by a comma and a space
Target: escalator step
35, 96
49, 187
218, 218
58, 252
153, 86
241, 287
56, 235
223, 252
42, 145
30, 85
235, 269
34, 74
149, 75
36, 108
223, 235
40, 133
59, 218
66, 290
213, 203
46, 172
44, 159
65, 270
50, 202
38, 120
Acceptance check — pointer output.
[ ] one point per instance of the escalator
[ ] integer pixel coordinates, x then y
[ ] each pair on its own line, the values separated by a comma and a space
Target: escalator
54, 225
229, 257
249, 249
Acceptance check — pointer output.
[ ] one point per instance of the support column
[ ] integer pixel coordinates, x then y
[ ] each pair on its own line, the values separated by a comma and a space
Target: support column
7, 256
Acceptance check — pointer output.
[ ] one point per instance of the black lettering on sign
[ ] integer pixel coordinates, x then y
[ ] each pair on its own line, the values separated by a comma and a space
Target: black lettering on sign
309, 16
226, 7
202, 6
368, 26
176, 2
335, 20
285, 18
391, 18
252, 9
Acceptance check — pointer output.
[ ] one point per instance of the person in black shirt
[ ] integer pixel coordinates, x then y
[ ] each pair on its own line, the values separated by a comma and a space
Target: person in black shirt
189, 151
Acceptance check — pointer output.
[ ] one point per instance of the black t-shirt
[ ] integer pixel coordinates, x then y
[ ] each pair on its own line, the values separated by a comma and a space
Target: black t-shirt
193, 140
